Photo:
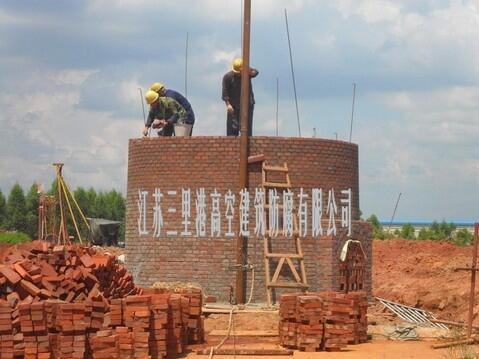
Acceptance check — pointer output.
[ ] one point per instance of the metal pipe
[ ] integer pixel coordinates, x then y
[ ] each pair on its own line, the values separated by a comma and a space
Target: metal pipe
142, 105
451, 323
243, 170
277, 104
186, 65
352, 112
292, 72
473, 281
394, 212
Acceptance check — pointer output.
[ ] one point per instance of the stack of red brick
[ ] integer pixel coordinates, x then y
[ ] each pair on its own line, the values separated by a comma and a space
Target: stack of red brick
67, 272
146, 326
323, 321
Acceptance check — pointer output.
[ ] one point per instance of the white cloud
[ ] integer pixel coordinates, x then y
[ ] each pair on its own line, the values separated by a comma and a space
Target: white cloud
415, 64
371, 11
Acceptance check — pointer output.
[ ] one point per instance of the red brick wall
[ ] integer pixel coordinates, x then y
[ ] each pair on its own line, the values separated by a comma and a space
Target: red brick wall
212, 163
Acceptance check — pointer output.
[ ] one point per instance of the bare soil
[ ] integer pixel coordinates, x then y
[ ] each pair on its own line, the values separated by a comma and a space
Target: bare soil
422, 274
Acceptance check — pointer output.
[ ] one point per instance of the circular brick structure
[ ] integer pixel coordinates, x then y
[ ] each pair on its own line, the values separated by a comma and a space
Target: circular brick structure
176, 163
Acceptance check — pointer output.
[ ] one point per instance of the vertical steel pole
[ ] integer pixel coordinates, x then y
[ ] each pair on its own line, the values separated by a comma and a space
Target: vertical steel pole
186, 65
352, 112
277, 105
243, 171
394, 212
473, 281
292, 72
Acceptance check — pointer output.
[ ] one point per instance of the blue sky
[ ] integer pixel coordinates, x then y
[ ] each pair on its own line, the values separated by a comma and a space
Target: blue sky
70, 72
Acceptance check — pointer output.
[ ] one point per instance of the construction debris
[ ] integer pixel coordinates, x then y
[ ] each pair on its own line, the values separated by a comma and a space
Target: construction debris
412, 315
322, 321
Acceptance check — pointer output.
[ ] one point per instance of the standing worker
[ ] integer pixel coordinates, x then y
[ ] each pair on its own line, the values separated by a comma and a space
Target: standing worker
231, 96
164, 113
164, 92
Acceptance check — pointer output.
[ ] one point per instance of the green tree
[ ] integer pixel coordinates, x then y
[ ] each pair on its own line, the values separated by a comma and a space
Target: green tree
3, 210
424, 234
408, 231
32, 211
91, 196
463, 237
442, 231
378, 231
16, 209
81, 197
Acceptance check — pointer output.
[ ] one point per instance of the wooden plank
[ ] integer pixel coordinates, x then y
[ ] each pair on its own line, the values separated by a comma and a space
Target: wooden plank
216, 310
246, 351
455, 343
284, 255
256, 158
275, 168
278, 270
276, 185
293, 270
288, 285
244, 333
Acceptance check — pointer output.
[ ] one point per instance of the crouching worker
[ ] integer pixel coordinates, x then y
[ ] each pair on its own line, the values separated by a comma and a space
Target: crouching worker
175, 95
164, 113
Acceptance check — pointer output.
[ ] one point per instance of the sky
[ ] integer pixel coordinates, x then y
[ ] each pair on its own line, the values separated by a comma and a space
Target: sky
70, 73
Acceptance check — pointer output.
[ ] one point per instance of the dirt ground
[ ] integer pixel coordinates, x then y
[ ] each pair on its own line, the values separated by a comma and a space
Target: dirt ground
415, 273
421, 274
371, 350
379, 347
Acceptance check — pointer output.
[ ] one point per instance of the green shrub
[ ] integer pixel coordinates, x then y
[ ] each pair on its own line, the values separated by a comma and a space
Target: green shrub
463, 237
14, 237
408, 231
378, 231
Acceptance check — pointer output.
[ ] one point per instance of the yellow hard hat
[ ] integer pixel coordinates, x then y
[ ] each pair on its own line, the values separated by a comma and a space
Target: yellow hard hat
151, 96
157, 87
237, 64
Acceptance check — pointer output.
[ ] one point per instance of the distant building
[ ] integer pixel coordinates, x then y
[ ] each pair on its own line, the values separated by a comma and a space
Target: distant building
418, 225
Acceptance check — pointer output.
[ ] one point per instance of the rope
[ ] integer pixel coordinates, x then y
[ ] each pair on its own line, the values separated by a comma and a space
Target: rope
252, 287
230, 325
62, 184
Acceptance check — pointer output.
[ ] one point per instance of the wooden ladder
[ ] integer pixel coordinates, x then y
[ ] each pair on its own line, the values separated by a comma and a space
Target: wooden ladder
272, 282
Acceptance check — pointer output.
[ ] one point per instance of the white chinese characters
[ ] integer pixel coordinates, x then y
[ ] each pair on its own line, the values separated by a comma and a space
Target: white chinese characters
274, 213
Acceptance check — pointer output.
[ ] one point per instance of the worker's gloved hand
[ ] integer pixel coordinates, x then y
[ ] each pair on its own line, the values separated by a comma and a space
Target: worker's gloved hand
157, 123
230, 109
145, 131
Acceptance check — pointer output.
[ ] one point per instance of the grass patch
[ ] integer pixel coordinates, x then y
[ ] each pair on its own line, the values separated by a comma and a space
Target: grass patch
14, 237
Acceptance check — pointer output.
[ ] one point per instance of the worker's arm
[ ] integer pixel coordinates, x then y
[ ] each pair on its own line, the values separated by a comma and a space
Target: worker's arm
148, 123
253, 72
225, 93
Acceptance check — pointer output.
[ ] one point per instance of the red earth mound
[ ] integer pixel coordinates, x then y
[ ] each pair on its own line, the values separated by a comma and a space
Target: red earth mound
421, 274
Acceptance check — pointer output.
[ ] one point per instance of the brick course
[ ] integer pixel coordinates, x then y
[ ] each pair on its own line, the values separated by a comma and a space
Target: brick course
213, 163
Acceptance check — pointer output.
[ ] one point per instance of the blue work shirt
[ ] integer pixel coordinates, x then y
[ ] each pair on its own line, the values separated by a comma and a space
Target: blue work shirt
190, 115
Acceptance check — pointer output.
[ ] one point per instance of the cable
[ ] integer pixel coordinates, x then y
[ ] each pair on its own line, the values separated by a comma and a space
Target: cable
227, 334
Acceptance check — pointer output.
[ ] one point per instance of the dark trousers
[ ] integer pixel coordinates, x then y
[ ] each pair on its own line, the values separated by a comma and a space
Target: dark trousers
166, 131
233, 122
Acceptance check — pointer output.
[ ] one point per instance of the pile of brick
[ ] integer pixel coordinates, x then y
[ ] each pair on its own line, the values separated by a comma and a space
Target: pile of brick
71, 273
322, 321
145, 326
191, 310
6, 330
33, 325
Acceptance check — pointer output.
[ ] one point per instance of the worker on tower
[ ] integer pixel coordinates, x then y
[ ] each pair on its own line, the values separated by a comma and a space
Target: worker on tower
164, 92
231, 96
164, 113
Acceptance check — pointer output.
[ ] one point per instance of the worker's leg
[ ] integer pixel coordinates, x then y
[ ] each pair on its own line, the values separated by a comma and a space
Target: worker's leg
191, 121
168, 131
250, 120
232, 125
